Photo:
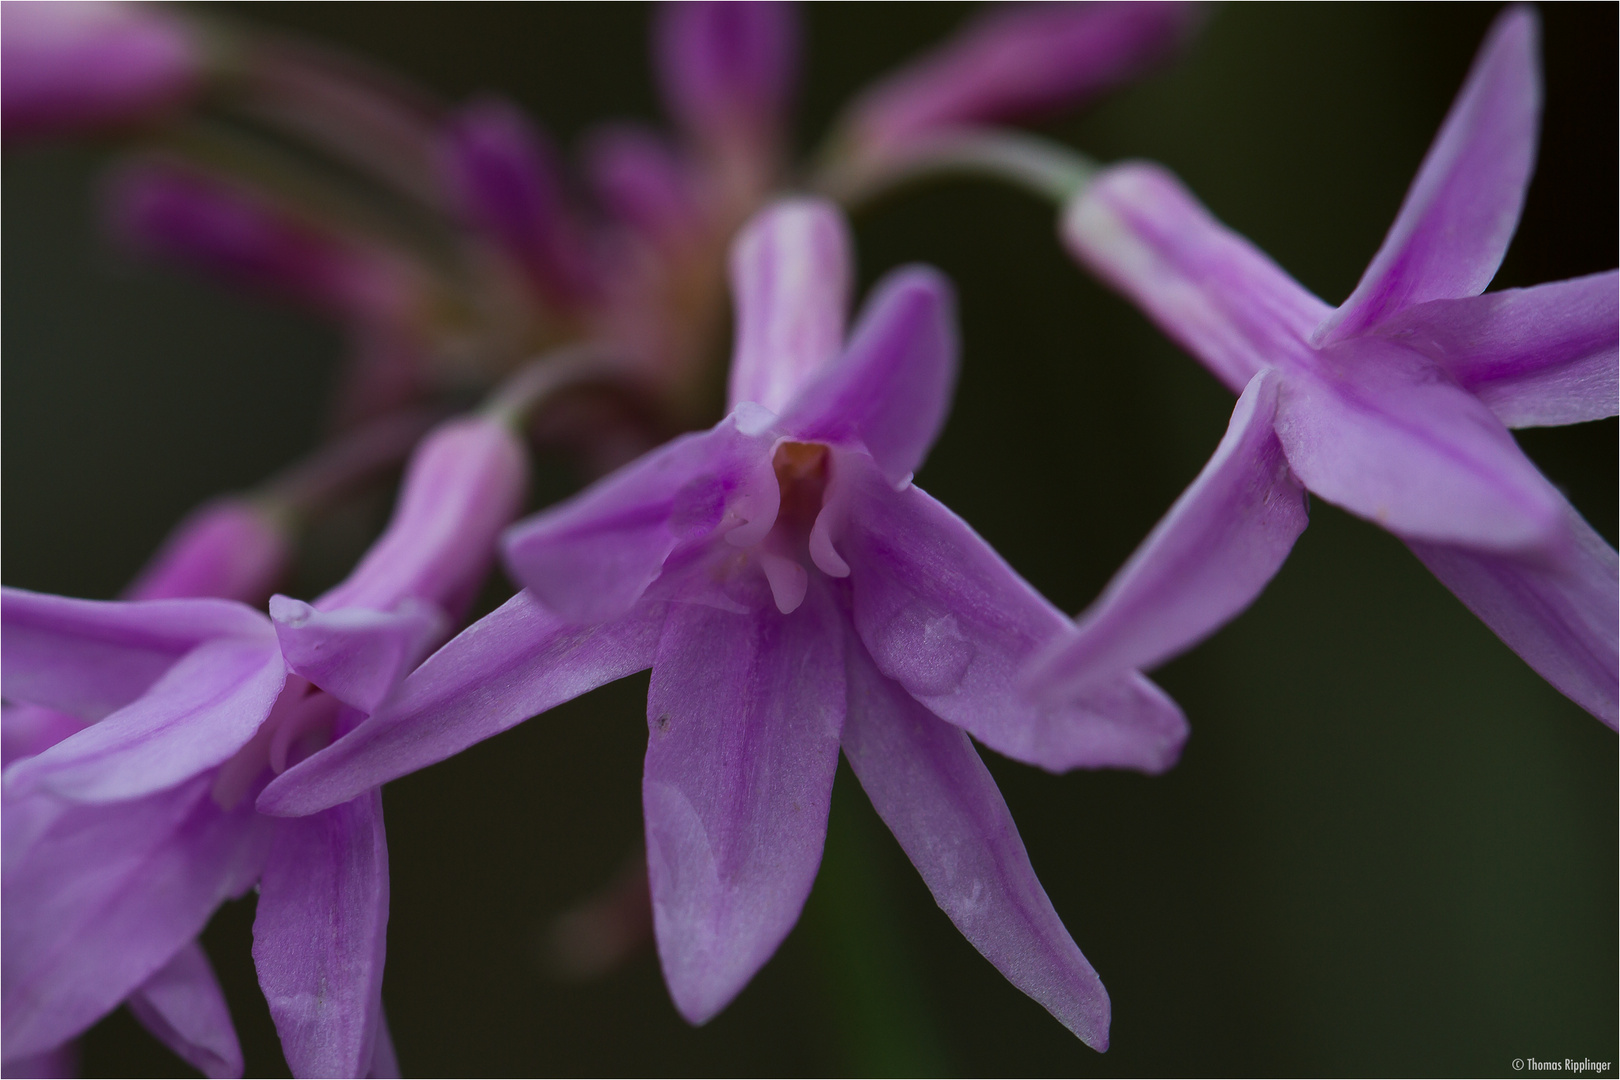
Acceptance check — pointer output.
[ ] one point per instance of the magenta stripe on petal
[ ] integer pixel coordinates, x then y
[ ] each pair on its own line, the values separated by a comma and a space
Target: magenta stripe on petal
1539, 356
1377, 429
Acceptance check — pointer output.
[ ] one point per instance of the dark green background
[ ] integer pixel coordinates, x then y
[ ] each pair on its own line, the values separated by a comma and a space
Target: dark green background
1389, 848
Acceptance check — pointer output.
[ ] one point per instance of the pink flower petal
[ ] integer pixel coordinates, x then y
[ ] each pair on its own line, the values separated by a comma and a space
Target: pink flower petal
108, 897
744, 716
790, 280
891, 388
1383, 432
320, 935
514, 663
1219, 296
929, 785
91, 657
204, 709
592, 557
1206, 561
184, 1008
1539, 356
1462, 208
943, 615
1561, 618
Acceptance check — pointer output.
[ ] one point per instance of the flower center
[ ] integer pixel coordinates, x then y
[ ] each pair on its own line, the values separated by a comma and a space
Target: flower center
299, 724
801, 474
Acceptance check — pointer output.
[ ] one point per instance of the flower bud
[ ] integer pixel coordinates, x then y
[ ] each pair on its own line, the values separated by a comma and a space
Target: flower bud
224, 229
465, 483
1017, 62
727, 69
503, 175
67, 67
228, 548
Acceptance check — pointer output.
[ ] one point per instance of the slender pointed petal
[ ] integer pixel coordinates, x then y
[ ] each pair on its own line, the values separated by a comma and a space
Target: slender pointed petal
790, 277
94, 912
203, 710
510, 665
184, 1008
320, 935
592, 557
1462, 208
892, 386
355, 654
1206, 561
943, 615
1561, 619
929, 785
1381, 431
727, 70
90, 657
1536, 357
1018, 61
744, 716
1211, 290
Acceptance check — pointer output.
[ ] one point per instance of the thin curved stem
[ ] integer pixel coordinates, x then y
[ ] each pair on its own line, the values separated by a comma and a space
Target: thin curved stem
1040, 166
538, 381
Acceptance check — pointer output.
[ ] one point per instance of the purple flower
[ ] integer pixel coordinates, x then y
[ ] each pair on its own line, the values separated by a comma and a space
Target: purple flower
793, 593
123, 837
1395, 406
1017, 61
72, 66
229, 549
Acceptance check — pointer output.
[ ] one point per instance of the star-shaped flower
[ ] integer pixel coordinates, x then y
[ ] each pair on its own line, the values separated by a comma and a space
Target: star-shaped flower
1395, 405
794, 593
123, 837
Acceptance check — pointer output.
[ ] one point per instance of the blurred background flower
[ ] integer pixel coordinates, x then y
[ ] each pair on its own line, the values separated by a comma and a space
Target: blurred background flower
1389, 846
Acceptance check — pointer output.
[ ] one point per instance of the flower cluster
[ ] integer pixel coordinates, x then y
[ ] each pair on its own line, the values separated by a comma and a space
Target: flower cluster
796, 596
